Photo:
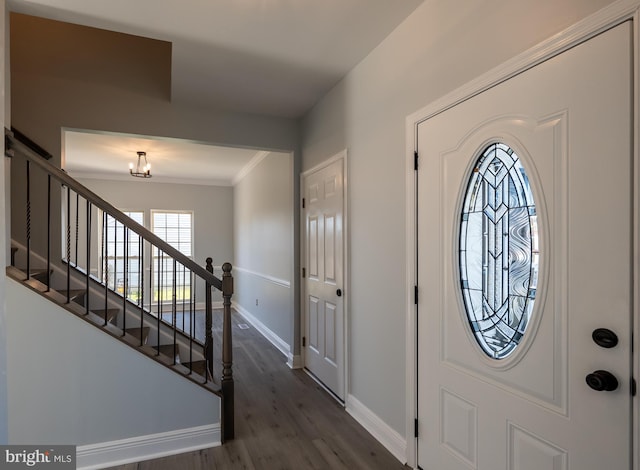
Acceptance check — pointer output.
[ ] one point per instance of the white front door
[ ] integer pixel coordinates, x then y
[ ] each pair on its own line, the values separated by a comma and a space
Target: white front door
323, 296
540, 257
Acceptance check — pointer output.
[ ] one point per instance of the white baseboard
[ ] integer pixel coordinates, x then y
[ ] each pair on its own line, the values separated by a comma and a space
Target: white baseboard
295, 361
152, 446
214, 304
273, 338
392, 440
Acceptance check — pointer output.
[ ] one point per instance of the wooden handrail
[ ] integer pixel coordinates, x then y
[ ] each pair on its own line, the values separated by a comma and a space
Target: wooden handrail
12, 144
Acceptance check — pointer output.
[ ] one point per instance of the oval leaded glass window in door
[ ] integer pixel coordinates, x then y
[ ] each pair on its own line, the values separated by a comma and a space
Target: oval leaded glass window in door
498, 251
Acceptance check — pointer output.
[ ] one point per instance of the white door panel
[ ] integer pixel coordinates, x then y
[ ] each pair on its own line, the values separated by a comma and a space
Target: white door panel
569, 121
324, 309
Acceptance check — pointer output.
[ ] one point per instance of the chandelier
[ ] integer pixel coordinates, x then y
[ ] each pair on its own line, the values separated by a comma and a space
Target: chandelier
141, 171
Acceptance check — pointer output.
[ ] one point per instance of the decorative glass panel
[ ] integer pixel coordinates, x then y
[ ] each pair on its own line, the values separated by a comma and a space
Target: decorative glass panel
498, 251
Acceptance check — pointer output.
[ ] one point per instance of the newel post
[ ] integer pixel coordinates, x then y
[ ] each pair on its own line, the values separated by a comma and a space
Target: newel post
227, 356
208, 324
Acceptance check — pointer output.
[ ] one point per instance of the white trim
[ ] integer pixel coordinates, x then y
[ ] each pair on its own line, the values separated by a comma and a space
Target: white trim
266, 277
273, 338
589, 27
294, 361
636, 233
388, 437
342, 155
152, 446
126, 177
248, 168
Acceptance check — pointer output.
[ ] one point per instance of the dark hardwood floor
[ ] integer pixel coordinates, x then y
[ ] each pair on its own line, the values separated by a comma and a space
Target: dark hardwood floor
284, 420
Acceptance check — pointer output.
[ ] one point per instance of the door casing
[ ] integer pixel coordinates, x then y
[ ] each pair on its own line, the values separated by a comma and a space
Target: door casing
602, 20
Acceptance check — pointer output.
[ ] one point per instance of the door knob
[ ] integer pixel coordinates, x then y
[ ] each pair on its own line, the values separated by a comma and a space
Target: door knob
339, 292
604, 337
602, 380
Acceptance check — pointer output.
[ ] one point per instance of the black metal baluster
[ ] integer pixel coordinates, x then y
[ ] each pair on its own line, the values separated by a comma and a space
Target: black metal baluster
68, 244
115, 254
141, 293
77, 226
208, 324
152, 274
125, 249
174, 307
105, 238
48, 232
28, 220
160, 273
184, 275
192, 314
88, 267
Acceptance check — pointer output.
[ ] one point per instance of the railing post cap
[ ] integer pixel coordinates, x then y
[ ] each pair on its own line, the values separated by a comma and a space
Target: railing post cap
226, 267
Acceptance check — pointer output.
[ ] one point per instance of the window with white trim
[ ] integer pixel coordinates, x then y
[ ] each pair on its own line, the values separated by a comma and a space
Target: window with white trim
169, 278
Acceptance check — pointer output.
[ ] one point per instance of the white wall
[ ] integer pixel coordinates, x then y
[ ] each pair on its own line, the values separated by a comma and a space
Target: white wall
77, 385
441, 46
264, 250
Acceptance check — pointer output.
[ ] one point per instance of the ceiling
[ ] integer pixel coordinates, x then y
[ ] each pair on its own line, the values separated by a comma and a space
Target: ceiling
268, 57
107, 156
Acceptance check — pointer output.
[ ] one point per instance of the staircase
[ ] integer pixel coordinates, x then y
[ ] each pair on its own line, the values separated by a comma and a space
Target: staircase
78, 273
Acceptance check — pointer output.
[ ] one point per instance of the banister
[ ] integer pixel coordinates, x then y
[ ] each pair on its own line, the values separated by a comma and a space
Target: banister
12, 144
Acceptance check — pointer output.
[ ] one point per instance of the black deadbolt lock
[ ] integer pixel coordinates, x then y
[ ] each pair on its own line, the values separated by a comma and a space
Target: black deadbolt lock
604, 337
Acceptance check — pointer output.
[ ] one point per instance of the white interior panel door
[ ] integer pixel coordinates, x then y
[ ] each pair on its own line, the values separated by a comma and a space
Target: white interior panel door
525, 232
324, 312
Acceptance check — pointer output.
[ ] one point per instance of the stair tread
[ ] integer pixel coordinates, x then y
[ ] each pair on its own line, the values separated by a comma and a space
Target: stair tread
111, 313
37, 272
168, 349
136, 332
73, 293
198, 366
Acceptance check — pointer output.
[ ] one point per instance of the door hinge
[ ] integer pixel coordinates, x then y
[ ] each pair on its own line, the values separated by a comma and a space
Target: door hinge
304, 272
415, 427
303, 203
304, 341
415, 160
415, 294
633, 386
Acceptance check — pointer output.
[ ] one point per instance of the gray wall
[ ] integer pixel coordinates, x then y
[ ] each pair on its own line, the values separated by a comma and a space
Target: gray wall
80, 386
441, 46
264, 231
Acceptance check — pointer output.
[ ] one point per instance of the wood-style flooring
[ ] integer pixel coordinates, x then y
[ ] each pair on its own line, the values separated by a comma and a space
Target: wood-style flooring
284, 420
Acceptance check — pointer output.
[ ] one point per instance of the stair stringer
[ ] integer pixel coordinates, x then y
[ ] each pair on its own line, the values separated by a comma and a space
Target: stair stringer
69, 383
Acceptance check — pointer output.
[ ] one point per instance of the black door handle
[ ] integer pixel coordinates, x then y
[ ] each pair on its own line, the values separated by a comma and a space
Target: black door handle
339, 292
602, 381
